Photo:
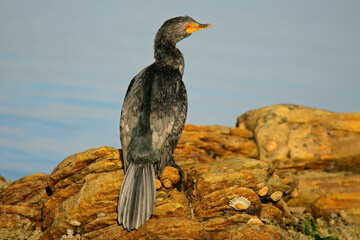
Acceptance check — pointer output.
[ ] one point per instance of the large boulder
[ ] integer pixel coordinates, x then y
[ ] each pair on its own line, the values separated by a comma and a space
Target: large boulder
292, 136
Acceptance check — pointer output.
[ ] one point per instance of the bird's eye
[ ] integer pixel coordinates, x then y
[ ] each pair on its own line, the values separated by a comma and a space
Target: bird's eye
188, 26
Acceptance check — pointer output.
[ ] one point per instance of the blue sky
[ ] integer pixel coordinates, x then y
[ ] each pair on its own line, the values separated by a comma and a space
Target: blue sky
65, 67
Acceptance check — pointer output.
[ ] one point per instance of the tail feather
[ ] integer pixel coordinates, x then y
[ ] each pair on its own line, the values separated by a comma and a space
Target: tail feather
137, 196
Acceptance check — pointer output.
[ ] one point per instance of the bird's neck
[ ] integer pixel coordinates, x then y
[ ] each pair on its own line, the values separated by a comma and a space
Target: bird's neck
166, 53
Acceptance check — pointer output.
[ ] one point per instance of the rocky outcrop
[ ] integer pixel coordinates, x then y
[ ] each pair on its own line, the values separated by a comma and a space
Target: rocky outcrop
291, 136
83, 193
324, 149
21, 206
84, 197
285, 172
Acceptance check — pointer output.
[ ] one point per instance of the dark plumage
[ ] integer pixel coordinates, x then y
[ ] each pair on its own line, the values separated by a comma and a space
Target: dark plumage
152, 119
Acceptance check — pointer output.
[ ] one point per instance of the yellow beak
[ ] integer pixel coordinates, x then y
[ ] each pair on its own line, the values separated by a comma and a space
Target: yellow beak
193, 27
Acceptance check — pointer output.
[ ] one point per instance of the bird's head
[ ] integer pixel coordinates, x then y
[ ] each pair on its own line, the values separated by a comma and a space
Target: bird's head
178, 28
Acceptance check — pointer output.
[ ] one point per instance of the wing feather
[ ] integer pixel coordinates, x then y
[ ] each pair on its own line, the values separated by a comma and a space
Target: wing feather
130, 112
167, 117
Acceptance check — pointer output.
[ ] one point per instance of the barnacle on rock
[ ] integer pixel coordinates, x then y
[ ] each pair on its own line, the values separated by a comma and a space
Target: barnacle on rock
240, 203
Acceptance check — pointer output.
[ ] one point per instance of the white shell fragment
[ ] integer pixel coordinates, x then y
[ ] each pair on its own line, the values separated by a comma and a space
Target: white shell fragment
240, 203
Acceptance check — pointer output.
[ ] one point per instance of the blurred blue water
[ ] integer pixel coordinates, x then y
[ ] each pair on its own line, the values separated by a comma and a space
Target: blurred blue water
65, 67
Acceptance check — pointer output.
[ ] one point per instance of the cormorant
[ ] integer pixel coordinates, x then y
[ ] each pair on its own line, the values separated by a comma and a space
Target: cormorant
152, 119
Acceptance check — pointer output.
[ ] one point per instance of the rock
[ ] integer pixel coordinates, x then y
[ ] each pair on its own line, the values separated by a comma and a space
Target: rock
76, 223
167, 183
299, 114
270, 213
291, 136
75, 167
83, 185
158, 184
216, 183
20, 233
308, 227
79, 198
208, 143
170, 177
276, 196
25, 190
263, 191
297, 138
216, 204
336, 202
160, 228
3, 183
208, 178
21, 203
252, 231
261, 161
315, 184
323, 193
171, 174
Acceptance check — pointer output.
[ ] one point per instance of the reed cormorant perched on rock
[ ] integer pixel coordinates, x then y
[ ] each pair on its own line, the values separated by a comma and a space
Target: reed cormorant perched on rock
152, 119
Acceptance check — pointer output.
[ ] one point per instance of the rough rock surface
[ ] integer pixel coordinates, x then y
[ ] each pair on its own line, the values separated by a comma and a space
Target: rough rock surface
324, 149
293, 136
21, 206
208, 143
262, 160
84, 189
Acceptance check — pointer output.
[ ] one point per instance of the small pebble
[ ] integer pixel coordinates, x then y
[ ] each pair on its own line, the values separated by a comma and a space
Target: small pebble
276, 196
70, 232
294, 193
320, 222
75, 223
343, 214
167, 183
262, 192
297, 210
157, 183
332, 221
78, 230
